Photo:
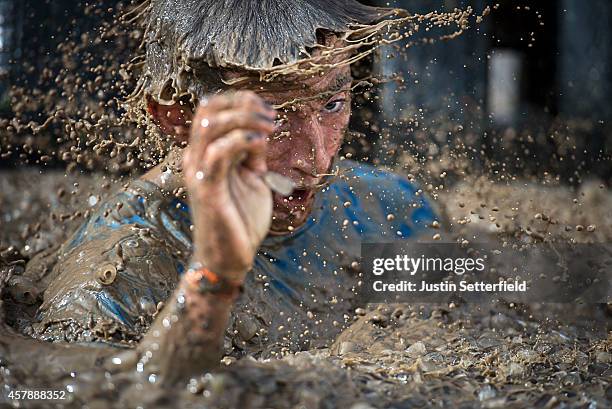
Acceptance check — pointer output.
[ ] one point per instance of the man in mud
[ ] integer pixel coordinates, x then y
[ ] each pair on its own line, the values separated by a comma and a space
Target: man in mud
152, 261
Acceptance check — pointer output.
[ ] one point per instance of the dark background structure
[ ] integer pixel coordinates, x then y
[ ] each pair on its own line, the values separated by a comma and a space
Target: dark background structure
531, 69
564, 49
539, 66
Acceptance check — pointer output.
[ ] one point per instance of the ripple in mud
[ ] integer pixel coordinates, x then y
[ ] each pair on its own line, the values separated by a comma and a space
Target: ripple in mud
394, 356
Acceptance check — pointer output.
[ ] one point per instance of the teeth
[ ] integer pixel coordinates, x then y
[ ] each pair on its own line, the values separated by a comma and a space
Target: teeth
279, 183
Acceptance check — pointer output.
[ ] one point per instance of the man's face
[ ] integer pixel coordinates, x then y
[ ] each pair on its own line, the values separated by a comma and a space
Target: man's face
307, 139
311, 123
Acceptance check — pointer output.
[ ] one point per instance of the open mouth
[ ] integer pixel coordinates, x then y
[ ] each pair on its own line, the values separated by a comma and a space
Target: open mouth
299, 197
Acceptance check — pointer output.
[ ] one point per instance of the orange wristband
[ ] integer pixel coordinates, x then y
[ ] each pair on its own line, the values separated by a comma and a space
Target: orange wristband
206, 281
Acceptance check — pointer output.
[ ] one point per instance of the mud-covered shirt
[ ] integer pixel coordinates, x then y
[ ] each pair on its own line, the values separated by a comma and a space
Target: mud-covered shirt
114, 271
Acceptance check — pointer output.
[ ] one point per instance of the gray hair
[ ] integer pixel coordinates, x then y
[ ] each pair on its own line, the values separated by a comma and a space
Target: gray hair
190, 42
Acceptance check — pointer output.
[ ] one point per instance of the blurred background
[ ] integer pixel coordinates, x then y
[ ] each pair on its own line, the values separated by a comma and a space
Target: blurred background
526, 90
542, 57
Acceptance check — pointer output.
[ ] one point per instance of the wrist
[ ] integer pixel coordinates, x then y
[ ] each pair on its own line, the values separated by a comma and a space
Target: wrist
230, 266
206, 281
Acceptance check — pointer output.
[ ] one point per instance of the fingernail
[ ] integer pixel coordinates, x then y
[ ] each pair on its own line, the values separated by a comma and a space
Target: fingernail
251, 136
267, 106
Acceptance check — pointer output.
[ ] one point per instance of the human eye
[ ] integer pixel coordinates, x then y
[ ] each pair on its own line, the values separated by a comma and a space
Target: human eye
335, 105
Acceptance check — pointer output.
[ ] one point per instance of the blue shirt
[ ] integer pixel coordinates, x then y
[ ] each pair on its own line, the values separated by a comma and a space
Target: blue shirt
301, 281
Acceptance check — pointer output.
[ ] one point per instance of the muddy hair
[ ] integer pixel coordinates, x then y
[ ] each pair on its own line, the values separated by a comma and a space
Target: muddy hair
189, 43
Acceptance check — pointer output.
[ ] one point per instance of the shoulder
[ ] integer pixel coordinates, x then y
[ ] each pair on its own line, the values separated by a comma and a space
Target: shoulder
139, 204
120, 263
383, 197
354, 175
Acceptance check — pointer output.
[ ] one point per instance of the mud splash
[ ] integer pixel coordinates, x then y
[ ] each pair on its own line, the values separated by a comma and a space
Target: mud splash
395, 356
498, 355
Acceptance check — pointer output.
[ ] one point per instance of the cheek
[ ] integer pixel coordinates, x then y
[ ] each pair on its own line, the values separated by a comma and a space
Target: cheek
298, 144
279, 152
289, 141
335, 129
334, 137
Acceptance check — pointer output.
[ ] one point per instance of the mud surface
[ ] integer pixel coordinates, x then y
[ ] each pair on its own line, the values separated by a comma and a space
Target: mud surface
457, 355
397, 356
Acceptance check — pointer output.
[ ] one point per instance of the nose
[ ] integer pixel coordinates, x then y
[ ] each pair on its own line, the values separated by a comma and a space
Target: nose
314, 156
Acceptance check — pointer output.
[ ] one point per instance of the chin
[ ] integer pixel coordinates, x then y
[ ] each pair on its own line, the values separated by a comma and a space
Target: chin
287, 216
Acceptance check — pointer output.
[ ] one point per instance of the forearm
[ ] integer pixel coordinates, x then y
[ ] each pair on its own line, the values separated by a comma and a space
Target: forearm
186, 338
231, 209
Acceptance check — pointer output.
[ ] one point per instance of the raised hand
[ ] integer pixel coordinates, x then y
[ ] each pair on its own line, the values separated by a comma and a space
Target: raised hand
223, 167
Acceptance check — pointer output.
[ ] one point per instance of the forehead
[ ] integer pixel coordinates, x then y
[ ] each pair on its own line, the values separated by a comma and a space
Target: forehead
290, 87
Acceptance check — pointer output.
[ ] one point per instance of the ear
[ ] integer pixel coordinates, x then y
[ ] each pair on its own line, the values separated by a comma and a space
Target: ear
173, 120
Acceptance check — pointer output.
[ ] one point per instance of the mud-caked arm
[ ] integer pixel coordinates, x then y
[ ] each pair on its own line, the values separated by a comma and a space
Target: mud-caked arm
123, 275
116, 271
187, 336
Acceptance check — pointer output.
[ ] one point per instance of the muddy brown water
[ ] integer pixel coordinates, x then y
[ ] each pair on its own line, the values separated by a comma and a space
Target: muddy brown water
393, 356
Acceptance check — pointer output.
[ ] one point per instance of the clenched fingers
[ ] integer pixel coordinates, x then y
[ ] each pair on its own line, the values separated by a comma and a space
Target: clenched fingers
238, 147
226, 113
